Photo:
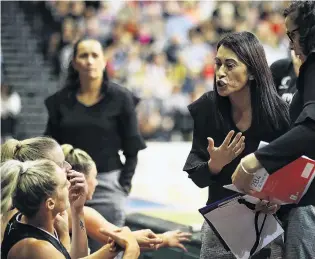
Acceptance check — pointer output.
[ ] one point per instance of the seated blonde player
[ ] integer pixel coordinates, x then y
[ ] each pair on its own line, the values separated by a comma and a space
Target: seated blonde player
47, 148
82, 162
40, 191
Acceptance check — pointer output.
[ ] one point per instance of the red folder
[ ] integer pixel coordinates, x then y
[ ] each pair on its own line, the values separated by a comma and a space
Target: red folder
288, 184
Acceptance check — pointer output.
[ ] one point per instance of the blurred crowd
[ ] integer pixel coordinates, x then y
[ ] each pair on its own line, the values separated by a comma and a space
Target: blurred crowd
163, 51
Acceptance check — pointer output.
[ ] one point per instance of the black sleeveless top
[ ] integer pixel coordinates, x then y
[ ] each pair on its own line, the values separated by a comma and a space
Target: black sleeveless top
16, 231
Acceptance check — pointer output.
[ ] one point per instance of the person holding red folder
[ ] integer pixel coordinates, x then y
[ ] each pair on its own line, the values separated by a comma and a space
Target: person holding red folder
230, 122
299, 140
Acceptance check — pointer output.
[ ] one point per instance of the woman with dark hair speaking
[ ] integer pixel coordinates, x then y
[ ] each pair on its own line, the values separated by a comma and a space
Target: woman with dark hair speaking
99, 117
299, 140
229, 123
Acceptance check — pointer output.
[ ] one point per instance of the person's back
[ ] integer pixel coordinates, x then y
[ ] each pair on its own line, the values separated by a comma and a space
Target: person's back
18, 235
284, 73
285, 78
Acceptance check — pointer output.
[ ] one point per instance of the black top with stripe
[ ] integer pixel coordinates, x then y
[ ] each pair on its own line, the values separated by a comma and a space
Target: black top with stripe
16, 231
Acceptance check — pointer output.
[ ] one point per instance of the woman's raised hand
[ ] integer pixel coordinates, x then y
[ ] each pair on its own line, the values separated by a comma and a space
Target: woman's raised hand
224, 154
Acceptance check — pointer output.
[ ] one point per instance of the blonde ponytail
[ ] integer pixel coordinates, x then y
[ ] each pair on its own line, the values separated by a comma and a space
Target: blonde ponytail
9, 149
10, 172
28, 149
78, 159
25, 185
67, 150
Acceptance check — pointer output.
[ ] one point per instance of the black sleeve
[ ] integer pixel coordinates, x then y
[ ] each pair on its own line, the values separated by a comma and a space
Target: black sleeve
128, 172
132, 141
300, 140
197, 162
287, 148
52, 126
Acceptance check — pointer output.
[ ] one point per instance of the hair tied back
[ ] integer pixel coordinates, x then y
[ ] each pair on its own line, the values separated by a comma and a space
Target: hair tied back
17, 148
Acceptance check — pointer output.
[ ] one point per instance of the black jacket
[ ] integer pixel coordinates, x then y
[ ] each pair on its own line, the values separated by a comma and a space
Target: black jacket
300, 139
101, 129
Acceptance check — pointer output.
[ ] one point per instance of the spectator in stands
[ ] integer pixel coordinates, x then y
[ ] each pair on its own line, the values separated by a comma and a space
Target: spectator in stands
82, 162
99, 117
273, 49
300, 238
151, 26
285, 72
244, 101
195, 53
41, 192
10, 109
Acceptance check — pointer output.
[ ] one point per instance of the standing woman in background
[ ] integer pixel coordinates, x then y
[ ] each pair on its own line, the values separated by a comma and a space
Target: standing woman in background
99, 117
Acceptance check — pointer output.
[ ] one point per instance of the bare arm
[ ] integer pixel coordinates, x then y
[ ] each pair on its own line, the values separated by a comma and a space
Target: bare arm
124, 238
131, 253
104, 252
93, 222
62, 228
77, 198
79, 244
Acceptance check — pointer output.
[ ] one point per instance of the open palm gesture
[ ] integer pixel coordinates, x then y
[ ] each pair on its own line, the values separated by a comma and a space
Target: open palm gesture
224, 154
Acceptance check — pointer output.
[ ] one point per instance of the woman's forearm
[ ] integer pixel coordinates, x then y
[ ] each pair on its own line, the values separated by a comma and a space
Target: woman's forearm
104, 252
131, 252
95, 221
66, 241
79, 244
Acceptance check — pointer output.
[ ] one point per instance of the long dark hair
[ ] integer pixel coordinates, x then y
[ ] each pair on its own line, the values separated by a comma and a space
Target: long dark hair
305, 21
73, 80
269, 111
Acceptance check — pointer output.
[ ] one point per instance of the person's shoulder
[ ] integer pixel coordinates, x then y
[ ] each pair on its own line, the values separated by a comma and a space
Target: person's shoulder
6, 217
309, 63
34, 248
122, 93
58, 96
203, 103
117, 89
281, 65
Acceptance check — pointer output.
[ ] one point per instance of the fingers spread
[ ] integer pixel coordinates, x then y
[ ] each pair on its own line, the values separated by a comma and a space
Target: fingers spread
184, 239
238, 144
240, 150
228, 138
179, 245
210, 144
236, 140
185, 234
